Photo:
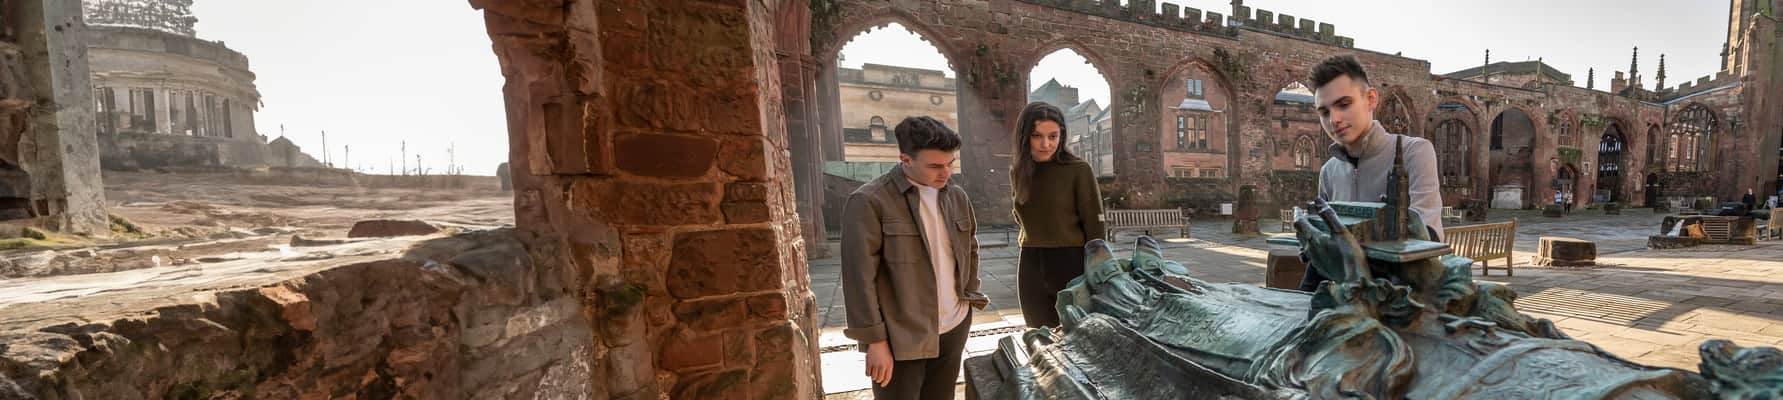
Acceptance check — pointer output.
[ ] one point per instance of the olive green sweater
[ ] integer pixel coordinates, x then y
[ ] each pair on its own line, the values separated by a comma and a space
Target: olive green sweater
1064, 207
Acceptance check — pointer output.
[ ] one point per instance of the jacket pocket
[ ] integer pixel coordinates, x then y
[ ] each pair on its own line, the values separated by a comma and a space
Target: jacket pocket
903, 244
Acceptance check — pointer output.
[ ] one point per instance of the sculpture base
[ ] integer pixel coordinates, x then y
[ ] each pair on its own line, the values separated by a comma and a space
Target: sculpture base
1565, 252
1672, 242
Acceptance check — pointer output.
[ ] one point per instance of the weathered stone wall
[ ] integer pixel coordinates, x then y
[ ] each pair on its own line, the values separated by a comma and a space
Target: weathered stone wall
131, 151
650, 152
469, 316
57, 150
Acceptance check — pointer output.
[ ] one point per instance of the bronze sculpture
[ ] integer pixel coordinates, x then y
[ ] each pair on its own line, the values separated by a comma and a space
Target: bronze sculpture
1400, 319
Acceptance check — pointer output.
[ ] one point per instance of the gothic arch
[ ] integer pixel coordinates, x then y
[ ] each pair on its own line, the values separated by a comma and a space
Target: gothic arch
848, 29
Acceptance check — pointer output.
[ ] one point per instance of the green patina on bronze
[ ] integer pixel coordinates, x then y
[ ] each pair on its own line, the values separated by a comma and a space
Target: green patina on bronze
1400, 319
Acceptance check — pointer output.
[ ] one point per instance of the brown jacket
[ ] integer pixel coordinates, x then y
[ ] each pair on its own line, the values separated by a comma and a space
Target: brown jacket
888, 284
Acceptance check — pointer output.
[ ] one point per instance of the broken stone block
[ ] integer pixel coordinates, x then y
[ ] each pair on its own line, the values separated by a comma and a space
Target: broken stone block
1565, 252
391, 228
300, 241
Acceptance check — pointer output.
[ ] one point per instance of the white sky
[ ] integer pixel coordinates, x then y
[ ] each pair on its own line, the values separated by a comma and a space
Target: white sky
376, 72
1570, 35
372, 73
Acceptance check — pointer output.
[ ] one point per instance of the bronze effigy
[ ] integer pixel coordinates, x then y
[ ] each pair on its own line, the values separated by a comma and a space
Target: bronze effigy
1401, 318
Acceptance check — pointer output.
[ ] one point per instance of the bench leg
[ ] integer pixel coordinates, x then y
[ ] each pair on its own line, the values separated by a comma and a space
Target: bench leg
1508, 270
1485, 268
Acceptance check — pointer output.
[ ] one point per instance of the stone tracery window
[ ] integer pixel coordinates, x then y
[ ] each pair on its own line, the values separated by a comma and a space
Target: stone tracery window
1693, 136
1452, 137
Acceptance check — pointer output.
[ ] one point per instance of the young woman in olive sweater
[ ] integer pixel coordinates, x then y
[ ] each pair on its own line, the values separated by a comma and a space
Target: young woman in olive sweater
1058, 207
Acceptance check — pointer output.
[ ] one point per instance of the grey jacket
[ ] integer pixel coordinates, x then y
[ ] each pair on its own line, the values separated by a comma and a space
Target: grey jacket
888, 284
1362, 176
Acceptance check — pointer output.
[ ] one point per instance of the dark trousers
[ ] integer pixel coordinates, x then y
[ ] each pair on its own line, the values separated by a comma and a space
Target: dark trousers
930, 378
1040, 275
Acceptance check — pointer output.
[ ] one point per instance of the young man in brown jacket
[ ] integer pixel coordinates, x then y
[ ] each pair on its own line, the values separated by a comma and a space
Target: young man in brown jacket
910, 267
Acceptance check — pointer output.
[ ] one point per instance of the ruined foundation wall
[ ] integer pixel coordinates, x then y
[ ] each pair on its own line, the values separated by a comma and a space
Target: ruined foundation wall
468, 316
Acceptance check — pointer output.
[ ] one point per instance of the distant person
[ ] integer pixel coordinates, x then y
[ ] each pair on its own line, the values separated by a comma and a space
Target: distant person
1750, 199
910, 267
1058, 208
1363, 151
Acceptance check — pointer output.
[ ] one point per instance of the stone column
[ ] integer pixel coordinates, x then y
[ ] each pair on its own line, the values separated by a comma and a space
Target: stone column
650, 155
63, 161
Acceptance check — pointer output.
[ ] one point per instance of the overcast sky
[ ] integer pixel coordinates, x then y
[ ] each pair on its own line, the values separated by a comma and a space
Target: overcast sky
374, 73
1571, 35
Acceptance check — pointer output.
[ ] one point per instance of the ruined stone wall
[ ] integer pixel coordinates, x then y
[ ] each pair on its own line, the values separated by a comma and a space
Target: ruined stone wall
470, 316
991, 44
650, 154
131, 151
58, 150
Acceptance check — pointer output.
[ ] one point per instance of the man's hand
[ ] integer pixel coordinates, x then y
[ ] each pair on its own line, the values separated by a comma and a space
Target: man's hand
879, 363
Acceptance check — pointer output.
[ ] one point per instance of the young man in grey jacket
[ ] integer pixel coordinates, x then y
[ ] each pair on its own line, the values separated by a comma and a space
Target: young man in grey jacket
910, 267
1362, 155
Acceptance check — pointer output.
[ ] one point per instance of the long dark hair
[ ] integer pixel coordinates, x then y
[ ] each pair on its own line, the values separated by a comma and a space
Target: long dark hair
1022, 164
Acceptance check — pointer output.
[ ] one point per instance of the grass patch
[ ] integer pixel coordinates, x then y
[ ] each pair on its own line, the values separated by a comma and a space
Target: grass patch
34, 238
121, 227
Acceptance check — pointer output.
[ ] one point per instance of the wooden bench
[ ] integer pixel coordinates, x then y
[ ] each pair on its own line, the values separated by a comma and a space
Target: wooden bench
1774, 228
1145, 221
1729, 230
1484, 242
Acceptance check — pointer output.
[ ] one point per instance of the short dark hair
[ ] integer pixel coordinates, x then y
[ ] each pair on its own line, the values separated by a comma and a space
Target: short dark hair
923, 133
1328, 70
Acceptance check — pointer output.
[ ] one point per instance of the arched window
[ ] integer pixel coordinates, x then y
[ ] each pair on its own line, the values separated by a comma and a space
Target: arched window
1695, 132
1393, 114
1303, 153
1654, 142
1565, 132
1451, 140
876, 128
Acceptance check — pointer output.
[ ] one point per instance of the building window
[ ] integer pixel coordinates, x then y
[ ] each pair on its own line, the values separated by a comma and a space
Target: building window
1182, 132
1194, 88
1211, 173
1653, 144
1452, 137
1181, 172
1191, 132
876, 131
1303, 154
1565, 133
1694, 132
936, 100
875, 95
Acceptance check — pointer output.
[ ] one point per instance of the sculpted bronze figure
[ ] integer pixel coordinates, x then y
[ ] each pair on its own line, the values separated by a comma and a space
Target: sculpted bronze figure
1400, 319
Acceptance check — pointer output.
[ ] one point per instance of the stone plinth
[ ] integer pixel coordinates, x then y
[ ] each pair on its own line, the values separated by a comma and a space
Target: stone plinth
1659, 242
1245, 226
1565, 252
1284, 269
1553, 211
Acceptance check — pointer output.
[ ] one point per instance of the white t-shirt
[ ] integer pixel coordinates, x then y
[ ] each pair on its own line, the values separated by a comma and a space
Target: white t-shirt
952, 309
